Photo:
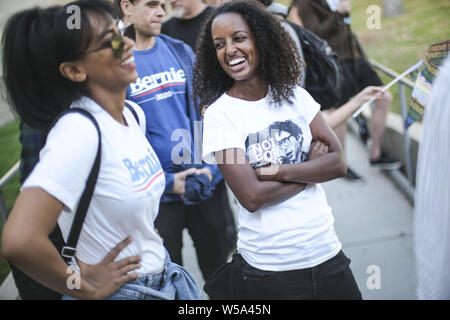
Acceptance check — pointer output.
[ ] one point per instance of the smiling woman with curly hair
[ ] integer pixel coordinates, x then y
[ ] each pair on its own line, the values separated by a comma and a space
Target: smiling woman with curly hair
279, 60
259, 127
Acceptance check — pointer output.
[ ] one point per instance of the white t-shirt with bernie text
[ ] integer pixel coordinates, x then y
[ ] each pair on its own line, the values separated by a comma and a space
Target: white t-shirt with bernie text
127, 193
297, 233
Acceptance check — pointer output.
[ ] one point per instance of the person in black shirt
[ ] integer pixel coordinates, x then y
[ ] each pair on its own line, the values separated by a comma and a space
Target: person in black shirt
187, 21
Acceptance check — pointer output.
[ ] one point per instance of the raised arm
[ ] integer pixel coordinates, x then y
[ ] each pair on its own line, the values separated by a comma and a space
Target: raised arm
252, 193
337, 117
324, 168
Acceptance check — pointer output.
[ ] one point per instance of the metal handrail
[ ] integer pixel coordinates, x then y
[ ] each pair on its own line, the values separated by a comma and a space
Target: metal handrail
391, 73
9, 174
406, 184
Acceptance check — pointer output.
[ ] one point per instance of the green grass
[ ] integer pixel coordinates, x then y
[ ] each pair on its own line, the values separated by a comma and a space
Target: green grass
403, 40
9, 155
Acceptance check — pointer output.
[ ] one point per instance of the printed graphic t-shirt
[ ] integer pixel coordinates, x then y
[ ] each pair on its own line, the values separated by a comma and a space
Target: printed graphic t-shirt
160, 91
127, 193
297, 233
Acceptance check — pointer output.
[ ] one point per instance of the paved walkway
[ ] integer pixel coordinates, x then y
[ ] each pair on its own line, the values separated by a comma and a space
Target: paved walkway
374, 223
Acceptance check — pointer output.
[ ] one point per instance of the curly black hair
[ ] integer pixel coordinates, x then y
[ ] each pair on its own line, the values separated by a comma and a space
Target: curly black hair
279, 60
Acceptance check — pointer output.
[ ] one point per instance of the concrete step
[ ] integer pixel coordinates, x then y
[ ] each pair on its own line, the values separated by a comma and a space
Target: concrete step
8, 290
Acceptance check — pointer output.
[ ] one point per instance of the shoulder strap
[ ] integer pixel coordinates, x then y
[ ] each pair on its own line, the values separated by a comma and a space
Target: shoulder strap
135, 115
68, 251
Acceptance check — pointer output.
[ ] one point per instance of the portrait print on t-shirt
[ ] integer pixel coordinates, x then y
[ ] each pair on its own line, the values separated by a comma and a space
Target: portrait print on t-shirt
283, 142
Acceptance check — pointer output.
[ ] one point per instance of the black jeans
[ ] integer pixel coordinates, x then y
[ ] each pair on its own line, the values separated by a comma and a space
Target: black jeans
331, 280
210, 224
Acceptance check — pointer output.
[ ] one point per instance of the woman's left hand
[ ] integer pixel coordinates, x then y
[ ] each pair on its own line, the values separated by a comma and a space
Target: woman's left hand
109, 275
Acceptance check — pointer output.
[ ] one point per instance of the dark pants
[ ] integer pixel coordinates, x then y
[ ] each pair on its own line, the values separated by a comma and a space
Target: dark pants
331, 280
210, 224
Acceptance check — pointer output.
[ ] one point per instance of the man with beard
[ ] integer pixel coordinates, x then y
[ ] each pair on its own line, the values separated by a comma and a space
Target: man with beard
187, 21
163, 90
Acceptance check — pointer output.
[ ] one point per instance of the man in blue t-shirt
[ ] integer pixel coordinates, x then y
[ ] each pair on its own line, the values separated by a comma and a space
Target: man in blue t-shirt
164, 90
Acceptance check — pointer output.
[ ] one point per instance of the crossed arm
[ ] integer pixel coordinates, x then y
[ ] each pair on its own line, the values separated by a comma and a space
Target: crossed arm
326, 167
256, 189
252, 193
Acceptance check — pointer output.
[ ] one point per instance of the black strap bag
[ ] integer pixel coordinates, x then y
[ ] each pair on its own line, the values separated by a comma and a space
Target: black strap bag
30, 289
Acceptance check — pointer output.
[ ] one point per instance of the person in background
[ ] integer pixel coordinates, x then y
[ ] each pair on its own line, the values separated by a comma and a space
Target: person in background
432, 201
187, 20
185, 25
163, 90
330, 21
294, 16
337, 117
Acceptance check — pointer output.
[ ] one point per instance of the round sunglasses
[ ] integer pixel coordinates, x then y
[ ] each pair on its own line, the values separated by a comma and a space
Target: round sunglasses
116, 44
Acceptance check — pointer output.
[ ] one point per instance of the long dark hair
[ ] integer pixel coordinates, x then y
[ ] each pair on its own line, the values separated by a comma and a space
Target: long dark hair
34, 44
279, 60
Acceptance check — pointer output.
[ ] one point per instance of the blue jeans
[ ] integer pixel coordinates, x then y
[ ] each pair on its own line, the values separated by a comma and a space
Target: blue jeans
136, 289
140, 289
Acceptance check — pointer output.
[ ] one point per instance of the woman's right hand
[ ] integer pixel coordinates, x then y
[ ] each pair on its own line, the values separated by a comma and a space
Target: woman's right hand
317, 149
106, 277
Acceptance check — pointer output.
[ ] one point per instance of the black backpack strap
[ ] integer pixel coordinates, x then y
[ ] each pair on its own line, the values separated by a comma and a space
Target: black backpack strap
135, 115
68, 251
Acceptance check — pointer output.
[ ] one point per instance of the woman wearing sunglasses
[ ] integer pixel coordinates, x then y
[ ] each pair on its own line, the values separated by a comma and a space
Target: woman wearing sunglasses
49, 67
